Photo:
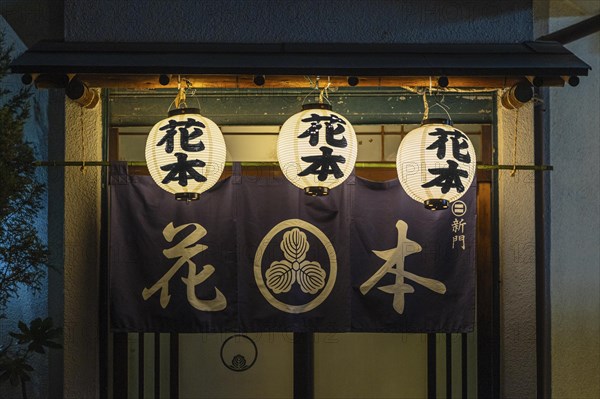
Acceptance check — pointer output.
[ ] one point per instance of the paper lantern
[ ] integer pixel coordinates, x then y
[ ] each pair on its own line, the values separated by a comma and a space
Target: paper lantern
185, 153
436, 163
316, 149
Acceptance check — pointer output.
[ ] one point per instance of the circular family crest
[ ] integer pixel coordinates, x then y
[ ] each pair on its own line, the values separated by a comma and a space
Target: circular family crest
239, 352
291, 269
459, 208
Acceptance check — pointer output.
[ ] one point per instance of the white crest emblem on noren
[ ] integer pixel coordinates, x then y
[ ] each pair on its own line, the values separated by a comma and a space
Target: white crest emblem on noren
295, 269
282, 274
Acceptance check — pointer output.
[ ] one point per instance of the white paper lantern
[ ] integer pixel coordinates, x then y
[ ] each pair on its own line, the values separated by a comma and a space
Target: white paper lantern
316, 149
185, 153
436, 163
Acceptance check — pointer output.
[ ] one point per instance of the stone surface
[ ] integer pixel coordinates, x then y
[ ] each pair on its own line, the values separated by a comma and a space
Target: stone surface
517, 255
83, 137
267, 21
575, 221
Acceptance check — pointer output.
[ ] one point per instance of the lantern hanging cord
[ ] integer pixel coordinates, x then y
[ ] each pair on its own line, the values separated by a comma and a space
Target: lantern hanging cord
314, 86
425, 106
176, 100
324, 93
180, 98
191, 91
513, 172
437, 103
181, 94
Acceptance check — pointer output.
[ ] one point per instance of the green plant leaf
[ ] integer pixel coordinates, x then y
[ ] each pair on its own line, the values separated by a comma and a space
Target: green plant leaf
4, 376
52, 344
23, 327
15, 370
39, 334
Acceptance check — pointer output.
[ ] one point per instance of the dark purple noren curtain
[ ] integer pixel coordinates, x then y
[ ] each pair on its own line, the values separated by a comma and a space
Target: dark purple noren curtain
256, 254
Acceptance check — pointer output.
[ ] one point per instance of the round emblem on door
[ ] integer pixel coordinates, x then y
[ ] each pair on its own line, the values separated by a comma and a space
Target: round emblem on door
239, 352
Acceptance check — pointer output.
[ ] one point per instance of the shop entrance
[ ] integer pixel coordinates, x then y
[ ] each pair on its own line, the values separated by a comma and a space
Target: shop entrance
319, 365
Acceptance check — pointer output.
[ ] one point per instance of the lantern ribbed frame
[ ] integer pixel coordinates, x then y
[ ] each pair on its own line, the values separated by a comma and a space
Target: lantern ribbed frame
290, 150
413, 161
214, 154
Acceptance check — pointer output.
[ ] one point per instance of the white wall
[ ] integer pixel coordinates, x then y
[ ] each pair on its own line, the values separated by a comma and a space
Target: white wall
81, 252
575, 221
517, 255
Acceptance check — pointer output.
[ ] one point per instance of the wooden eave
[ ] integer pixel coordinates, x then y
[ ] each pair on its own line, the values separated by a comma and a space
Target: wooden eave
139, 65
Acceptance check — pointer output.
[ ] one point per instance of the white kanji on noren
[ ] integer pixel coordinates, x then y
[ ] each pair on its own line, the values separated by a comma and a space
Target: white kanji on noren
394, 264
184, 251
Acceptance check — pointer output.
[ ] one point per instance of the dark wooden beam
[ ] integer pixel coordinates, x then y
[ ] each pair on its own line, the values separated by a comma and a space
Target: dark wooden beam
153, 81
574, 32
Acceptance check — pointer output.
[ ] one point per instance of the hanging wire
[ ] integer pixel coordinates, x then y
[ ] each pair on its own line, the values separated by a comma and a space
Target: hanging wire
189, 87
315, 87
425, 106
183, 86
324, 93
513, 172
181, 94
440, 104
177, 97
444, 107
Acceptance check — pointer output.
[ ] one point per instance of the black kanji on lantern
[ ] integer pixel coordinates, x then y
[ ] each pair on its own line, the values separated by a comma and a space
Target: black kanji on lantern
182, 170
323, 165
457, 145
333, 127
447, 178
185, 135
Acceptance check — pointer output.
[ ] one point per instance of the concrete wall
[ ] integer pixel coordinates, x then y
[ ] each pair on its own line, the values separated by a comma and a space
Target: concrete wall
517, 255
83, 139
575, 195
34, 20
270, 21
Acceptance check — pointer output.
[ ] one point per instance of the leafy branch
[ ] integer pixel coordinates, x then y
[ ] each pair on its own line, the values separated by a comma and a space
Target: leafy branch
23, 255
14, 358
